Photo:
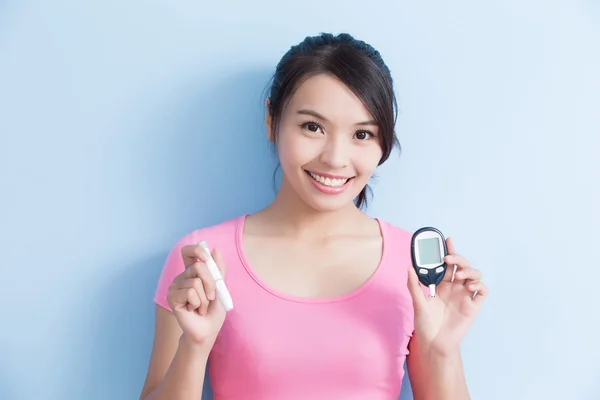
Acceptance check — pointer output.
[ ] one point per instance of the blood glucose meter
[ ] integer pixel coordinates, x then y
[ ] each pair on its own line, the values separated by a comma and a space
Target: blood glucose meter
428, 249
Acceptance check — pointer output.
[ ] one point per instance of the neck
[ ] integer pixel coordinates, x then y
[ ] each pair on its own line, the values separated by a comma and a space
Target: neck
290, 215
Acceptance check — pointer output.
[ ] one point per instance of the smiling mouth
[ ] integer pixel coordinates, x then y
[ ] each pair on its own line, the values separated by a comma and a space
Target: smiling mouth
335, 182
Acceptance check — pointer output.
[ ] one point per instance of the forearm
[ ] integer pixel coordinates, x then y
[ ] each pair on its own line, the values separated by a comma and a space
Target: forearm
445, 376
184, 379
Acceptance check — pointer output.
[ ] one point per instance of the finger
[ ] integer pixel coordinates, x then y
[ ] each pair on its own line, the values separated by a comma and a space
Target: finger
200, 270
457, 259
192, 253
193, 300
198, 286
416, 291
455, 262
218, 257
179, 278
474, 286
180, 298
450, 245
450, 267
481, 293
450, 272
468, 274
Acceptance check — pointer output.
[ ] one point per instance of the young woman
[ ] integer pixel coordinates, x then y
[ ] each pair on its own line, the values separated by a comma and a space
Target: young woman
326, 304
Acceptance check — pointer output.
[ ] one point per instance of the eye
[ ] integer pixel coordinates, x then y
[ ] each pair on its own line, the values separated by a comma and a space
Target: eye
312, 126
362, 135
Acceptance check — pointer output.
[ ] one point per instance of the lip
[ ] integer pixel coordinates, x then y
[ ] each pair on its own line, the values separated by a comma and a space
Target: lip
330, 190
324, 175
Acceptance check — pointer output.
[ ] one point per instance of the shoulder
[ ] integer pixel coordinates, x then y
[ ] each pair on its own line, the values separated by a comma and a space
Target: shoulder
394, 232
215, 235
396, 243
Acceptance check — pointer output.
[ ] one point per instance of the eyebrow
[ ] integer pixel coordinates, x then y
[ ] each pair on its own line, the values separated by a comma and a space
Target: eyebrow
315, 114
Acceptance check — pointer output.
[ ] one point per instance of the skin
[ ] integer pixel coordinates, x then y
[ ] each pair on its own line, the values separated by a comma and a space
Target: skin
309, 230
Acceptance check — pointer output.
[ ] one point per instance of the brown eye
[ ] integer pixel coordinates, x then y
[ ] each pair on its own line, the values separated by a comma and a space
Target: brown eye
312, 127
362, 135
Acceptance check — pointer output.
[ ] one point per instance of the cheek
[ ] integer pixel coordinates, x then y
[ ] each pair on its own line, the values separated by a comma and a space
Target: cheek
295, 150
367, 159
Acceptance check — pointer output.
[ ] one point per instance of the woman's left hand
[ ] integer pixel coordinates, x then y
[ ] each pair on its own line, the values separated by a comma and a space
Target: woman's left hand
441, 322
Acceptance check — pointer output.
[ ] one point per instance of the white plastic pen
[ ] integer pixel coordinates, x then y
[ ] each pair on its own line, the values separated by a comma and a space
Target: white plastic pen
222, 292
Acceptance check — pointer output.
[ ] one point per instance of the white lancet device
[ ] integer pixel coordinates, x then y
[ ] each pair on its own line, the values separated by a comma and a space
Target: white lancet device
428, 249
222, 292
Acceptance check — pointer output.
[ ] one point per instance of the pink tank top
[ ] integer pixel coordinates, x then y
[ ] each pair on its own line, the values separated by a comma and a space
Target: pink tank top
274, 346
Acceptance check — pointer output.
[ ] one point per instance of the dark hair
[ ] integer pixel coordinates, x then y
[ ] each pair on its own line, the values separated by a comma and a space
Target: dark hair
356, 64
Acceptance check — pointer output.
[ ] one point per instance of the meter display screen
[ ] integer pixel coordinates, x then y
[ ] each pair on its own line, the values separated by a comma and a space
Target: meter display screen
429, 251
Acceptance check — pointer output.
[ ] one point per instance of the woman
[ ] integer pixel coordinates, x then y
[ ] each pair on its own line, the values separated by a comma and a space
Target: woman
326, 305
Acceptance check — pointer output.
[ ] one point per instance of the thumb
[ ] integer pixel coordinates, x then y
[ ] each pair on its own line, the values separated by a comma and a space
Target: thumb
218, 257
215, 307
415, 289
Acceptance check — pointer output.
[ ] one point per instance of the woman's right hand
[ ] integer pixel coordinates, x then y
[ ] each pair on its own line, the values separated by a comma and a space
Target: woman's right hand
193, 298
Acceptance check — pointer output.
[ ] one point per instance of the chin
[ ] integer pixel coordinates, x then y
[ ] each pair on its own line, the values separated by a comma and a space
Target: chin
328, 202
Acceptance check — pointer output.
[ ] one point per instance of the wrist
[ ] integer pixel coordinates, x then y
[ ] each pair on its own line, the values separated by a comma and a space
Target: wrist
441, 365
445, 375
435, 350
435, 354
194, 348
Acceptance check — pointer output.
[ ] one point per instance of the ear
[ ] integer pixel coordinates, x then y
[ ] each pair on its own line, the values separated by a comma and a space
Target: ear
269, 121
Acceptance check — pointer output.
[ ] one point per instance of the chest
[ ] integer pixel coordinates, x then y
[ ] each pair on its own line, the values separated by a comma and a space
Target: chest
318, 269
358, 343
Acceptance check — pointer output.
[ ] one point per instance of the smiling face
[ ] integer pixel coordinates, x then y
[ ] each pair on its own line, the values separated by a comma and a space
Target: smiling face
328, 144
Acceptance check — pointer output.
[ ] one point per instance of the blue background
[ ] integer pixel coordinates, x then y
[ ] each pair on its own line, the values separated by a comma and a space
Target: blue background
124, 125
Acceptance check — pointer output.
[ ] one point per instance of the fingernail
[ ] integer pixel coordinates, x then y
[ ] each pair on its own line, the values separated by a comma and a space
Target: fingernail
211, 295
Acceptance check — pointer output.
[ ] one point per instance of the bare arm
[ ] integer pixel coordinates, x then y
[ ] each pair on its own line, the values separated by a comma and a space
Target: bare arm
434, 363
436, 376
177, 365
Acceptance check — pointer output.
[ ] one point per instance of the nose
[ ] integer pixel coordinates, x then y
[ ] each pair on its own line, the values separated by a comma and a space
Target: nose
336, 153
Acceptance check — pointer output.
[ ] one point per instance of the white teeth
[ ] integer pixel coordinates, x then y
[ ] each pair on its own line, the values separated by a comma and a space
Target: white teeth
328, 181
